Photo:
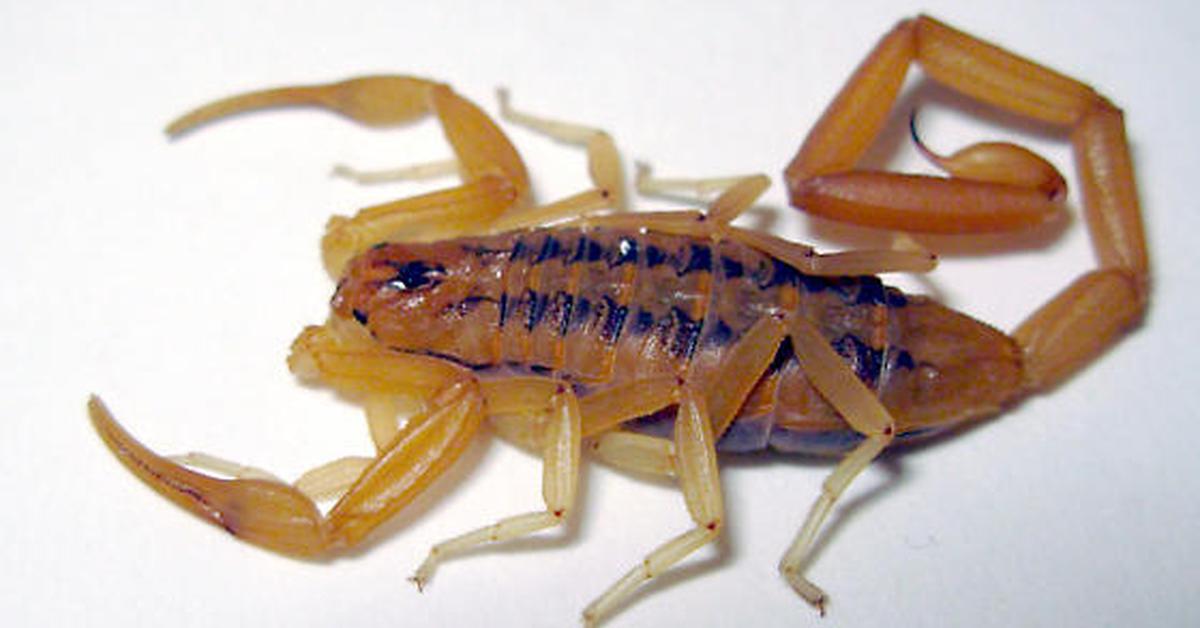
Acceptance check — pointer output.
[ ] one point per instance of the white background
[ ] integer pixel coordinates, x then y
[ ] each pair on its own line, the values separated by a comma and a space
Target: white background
170, 277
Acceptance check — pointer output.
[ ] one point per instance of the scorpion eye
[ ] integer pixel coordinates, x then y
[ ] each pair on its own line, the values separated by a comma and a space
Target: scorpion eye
414, 275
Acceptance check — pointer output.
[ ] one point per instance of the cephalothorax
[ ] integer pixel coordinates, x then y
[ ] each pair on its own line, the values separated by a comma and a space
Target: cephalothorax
657, 340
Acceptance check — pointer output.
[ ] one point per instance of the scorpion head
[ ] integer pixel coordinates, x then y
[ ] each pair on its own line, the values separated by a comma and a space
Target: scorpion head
950, 368
413, 296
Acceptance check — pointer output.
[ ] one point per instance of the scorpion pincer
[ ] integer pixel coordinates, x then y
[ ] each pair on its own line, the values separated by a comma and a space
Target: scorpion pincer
657, 340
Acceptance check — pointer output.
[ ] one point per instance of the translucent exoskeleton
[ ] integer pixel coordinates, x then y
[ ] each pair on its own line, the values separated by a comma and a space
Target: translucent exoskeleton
655, 341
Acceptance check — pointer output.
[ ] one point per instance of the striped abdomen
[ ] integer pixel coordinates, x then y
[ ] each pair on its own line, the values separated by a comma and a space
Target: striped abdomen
603, 306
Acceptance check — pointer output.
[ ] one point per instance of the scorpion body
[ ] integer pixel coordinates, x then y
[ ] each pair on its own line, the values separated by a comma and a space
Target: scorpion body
601, 307
657, 339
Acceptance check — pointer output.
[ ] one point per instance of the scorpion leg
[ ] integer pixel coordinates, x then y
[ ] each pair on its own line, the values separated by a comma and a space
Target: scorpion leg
606, 409
209, 462
691, 454
830, 375
604, 170
332, 479
328, 481
494, 177
737, 194
747, 361
414, 172
638, 453
696, 466
558, 435
738, 372
840, 264
519, 410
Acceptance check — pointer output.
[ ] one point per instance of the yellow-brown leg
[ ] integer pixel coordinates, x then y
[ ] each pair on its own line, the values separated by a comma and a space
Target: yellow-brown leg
739, 371
412, 172
838, 384
696, 467
745, 363
638, 453
801, 257
736, 195
604, 170
327, 481
835, 381
215, 464
691, 454
557, 433
543, 415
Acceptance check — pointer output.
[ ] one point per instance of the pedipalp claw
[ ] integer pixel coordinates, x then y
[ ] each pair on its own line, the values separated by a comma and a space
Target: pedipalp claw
371, 100
269, 514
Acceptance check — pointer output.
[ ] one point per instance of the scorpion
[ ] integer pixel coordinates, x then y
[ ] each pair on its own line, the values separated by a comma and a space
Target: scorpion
655, 340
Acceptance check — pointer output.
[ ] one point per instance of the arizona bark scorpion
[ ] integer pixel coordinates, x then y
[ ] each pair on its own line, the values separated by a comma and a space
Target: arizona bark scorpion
656, 340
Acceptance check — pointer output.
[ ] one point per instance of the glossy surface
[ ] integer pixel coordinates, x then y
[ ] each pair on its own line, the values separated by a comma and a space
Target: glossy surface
981, 515
604, 307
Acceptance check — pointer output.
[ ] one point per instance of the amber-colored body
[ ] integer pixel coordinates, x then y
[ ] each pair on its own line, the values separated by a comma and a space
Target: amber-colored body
602, 308
654, 339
